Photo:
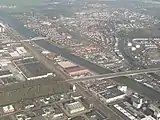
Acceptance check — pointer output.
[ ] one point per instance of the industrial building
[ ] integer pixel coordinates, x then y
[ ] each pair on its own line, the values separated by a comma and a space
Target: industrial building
76, 95
96, 115
87, 102
31, 68
125, 112
67, 64
14, 54
21, 50
8, 109
4, 62
156, 111
73, 69
5, 73
7, 80
78, 118
137, 100
54, 111
77, 71
18, 52
74, 107
57, 113
149, 118
112, 94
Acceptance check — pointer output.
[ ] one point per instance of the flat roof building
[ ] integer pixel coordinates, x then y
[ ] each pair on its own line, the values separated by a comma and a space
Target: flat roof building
77, 71
148, 118
67, 64
125, 112
5, 73
4, 62
156, 111
31, 68
74, 107
8, 109
73, 69
137, 100
112, 94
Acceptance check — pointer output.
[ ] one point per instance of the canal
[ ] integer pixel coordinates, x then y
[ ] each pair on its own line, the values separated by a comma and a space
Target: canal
19, 27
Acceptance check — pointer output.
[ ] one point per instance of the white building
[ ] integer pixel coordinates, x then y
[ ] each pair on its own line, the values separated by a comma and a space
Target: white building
156, 111
4, 62
74, 107
112, 94
21, 50
125, 112
14, 54
38, 77
4, 74
122, 88
74, 88
129, 44
148, 118
137, 101
133, 48
138, 46
8, 109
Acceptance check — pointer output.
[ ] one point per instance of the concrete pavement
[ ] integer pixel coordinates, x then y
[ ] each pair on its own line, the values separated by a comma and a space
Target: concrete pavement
114, 75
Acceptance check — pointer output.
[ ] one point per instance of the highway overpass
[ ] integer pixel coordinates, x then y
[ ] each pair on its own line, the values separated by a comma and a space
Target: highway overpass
114, 75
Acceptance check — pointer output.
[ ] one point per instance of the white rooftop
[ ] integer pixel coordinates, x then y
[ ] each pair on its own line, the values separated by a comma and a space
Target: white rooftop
66, 64
74, 105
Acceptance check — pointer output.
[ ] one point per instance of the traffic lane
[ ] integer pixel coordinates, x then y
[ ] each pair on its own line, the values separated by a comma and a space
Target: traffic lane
113, 75
138, 87
119, 113
98, 104
76, 59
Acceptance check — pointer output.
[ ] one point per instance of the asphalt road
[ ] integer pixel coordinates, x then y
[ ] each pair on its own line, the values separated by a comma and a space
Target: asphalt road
138, 87
87, 94
98, 104
114, 75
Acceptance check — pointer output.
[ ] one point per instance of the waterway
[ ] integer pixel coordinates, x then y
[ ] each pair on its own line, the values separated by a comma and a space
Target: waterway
19, 27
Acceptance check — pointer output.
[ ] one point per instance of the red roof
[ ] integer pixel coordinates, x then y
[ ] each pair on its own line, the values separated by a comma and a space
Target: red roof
75, 69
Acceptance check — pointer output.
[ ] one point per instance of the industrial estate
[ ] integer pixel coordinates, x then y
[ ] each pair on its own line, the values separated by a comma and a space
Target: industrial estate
80, 60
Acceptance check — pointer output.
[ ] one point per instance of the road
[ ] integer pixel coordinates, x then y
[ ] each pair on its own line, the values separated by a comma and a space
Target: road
98, 104
152, 94
28, 89
132, 60
106, 111
138, 87
33, 109
114, 75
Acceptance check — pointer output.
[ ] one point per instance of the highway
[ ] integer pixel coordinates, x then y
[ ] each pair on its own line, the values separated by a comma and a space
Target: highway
98, 104
143, 89
138, 87
113, 75
28, 89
